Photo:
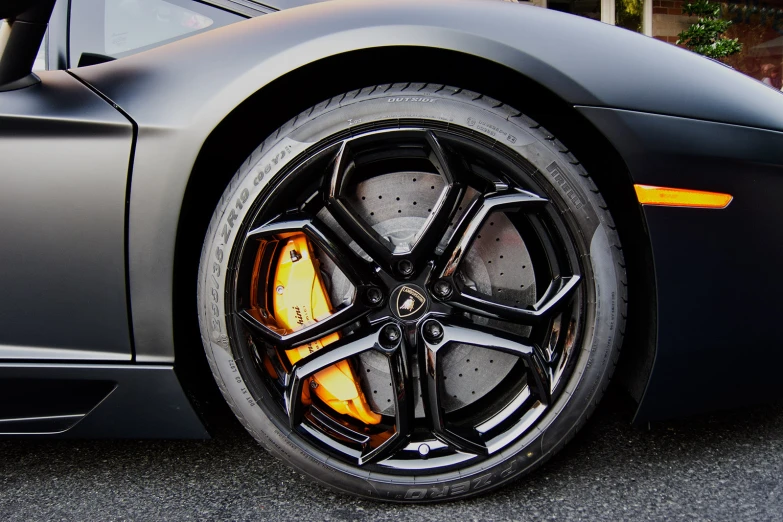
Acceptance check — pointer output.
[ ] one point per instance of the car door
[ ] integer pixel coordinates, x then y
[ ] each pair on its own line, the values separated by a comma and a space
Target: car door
63, 175
64, 181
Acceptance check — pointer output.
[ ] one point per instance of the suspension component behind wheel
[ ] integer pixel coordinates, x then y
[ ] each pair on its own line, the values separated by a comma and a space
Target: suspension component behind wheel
300, 300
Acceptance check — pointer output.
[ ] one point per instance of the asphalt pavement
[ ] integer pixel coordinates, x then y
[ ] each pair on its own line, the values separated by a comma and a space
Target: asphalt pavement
726, 466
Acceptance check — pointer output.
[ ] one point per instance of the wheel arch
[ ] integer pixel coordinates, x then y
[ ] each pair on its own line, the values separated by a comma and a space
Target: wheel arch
249, 123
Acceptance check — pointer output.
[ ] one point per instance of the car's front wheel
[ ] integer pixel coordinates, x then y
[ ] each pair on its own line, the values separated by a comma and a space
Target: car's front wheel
412, 292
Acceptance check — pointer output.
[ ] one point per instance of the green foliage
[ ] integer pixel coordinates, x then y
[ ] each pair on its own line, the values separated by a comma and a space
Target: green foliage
706, 35
703, 9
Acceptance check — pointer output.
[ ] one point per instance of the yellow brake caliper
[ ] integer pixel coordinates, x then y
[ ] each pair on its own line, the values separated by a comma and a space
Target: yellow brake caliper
300, 300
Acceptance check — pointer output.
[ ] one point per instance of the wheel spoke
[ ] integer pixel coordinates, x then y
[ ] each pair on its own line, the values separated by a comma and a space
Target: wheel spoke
355, 269
469, 225
559, 294
352, 265
494, 339
403, 408
317, 361
451, 168
378, 248
334, 322
462, 439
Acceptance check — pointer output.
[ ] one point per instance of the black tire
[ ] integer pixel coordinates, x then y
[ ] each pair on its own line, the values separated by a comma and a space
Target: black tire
592, 232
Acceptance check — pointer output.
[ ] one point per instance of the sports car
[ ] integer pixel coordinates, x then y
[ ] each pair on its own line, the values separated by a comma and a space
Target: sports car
410, 241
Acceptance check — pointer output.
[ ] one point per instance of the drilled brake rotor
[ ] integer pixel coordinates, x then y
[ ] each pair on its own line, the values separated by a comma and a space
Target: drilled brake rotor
498, 265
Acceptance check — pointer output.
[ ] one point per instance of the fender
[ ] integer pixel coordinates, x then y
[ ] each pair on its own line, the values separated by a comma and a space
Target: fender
179, 93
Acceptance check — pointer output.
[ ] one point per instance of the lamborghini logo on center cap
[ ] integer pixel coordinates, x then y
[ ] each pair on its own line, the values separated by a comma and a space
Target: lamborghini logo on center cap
410, 301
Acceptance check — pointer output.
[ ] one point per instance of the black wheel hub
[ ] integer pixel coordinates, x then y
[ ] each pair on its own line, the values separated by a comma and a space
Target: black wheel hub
413, 305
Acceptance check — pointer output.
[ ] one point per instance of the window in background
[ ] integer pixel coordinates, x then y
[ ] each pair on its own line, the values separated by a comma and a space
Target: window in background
123, 27
759, 27
587, 8
634, 15
40, 58
130, 25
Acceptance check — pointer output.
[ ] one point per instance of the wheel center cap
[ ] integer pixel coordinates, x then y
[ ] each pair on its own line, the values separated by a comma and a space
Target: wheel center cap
408, 302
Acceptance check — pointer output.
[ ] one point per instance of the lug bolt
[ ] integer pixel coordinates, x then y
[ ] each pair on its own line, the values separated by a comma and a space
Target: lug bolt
374, 295
390, 335
442, 289
405, 267
433, 331
280, 289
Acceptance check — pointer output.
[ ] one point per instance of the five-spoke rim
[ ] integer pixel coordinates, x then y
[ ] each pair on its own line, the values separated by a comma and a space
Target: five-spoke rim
455, 314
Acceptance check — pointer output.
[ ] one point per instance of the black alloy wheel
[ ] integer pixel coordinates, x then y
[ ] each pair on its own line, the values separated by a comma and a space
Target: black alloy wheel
475, 280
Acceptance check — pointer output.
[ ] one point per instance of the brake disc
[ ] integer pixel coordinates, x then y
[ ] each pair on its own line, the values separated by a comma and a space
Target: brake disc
498, 265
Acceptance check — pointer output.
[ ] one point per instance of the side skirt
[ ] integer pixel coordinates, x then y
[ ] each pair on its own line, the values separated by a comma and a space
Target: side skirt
95, 401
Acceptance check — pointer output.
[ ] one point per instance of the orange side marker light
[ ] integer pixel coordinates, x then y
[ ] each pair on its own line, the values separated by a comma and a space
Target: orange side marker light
675, 197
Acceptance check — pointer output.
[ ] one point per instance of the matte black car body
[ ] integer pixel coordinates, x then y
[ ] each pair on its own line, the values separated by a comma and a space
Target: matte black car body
110, 172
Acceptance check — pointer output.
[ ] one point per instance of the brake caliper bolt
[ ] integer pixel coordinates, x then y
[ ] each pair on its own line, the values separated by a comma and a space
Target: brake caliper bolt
405, 267
433, 331
442, 289
374, 295
390, 335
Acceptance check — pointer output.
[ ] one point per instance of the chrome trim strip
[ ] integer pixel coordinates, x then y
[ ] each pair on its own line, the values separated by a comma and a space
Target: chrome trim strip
50, 417
42, 353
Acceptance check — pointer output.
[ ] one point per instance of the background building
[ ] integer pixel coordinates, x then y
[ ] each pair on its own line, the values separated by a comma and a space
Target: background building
757, 23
